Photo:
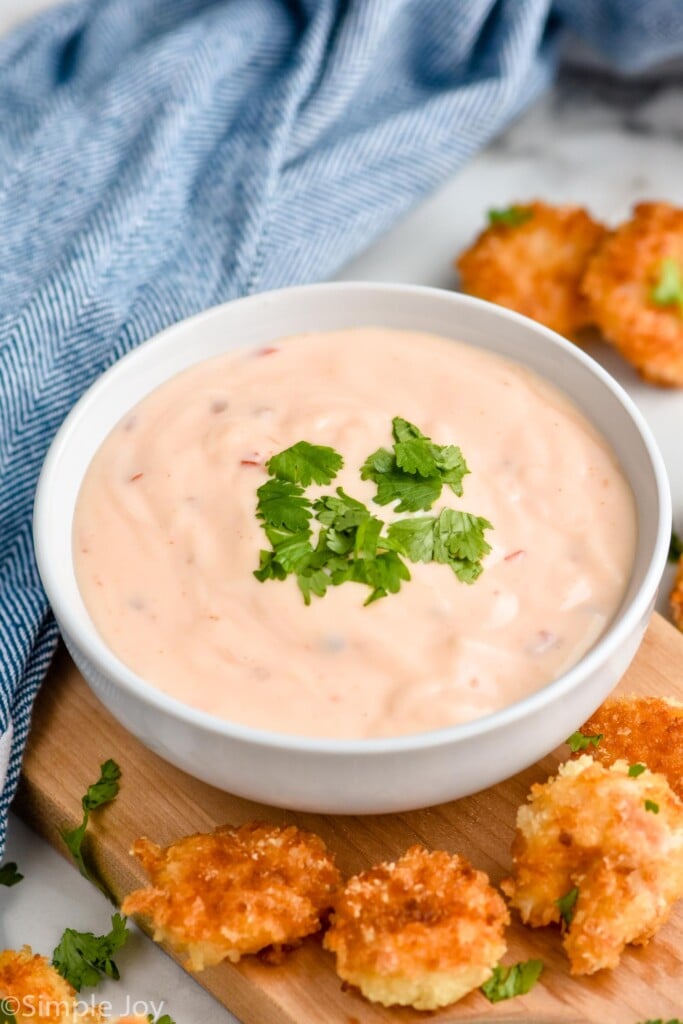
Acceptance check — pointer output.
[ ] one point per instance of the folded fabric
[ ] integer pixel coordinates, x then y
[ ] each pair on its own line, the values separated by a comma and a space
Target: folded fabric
160, 156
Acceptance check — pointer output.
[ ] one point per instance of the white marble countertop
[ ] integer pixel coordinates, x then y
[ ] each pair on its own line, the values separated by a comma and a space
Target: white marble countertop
590, 141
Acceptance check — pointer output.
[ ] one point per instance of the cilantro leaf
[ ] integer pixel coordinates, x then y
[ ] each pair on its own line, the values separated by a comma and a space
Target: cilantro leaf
511, 217
635, 770
306, 464
9, 875
384, 574
577, 741
415, 472
567, 905
650, 805
413, 538
99, 793
164, 1019
674, 1020
105, 789
668, 291
675, 547
459, 537
508, 982
83, 958
341, 512
413, 493
282, 503
6, 1016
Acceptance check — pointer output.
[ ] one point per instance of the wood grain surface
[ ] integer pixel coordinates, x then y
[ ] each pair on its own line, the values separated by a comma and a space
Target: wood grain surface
72, 734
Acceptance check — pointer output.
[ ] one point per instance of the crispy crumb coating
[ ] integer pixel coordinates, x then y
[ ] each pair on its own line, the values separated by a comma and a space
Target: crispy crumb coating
422, 932
647, 730
676, 597
618, 284
536, 267
34, 991
589, 828
220, 895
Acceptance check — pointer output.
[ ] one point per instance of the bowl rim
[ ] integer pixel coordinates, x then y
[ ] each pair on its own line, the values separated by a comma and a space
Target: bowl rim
108, 664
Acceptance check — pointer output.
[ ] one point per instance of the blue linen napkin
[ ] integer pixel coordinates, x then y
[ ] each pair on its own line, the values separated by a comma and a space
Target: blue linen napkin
160, 156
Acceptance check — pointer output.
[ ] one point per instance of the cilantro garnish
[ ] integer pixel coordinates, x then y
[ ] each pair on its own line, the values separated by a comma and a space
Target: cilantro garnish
414, 473
517, 980
306, 464
6, 1016
511, 217
675, 547
668, 291
83, 958
650, 805
674, 1020
9, 875
350, 543
635, 770
567, 905
99, 793
577, 741
164, 1019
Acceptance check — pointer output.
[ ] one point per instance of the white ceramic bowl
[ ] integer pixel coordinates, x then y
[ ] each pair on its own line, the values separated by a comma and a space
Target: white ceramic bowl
353, 776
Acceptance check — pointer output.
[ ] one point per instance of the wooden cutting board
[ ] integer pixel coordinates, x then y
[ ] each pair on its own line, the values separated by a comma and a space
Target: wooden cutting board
72, 734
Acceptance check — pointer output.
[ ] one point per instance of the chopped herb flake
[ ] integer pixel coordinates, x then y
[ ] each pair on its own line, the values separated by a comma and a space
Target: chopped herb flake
668, 291
650, 805
577, 741
511, 217
636, 769
9, 875
567, 905
675, 547
517, 980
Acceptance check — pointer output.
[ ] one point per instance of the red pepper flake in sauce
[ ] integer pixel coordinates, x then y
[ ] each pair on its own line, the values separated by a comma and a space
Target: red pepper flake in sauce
269, 350
249, 462
136, 476
515, 556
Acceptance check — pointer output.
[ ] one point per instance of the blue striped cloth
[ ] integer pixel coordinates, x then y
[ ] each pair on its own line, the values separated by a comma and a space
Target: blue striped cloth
160, 156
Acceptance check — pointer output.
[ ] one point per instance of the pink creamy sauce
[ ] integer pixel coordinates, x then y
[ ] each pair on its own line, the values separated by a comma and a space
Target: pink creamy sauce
166, 539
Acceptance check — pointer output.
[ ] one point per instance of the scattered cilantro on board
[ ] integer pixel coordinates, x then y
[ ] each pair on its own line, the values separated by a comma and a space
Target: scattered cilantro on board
99, 793
9, 874
336, 539
84, 959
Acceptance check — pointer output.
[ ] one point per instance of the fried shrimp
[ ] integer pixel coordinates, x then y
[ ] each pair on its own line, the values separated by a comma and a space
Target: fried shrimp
220, 895
422, 932
533, 261
640, 730
32, 990
634, 284
602, 851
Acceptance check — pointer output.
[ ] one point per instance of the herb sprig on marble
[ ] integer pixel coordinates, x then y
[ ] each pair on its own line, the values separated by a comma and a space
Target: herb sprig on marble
335, 538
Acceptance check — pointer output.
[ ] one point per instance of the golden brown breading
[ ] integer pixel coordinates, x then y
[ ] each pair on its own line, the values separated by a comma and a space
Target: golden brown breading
535, 267
234, 891
647, 730
32, 990
589, 829
619, 282
422, 932
676, 597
